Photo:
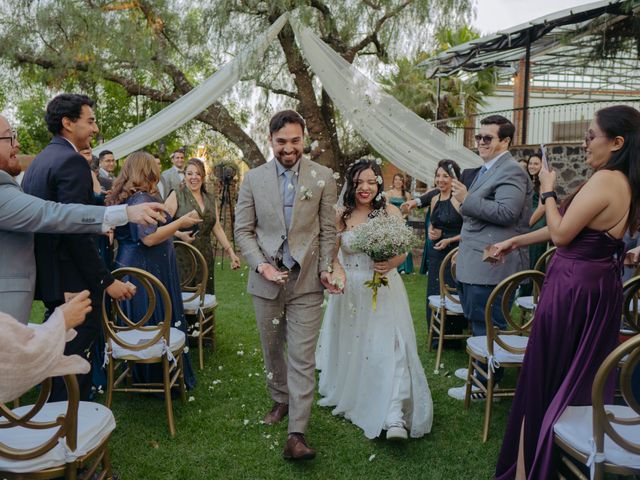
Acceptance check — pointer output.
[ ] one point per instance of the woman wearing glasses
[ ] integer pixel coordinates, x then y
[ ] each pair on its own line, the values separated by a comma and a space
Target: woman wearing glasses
578, 315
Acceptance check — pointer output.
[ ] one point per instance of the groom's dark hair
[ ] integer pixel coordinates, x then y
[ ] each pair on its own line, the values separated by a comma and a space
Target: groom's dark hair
280, 119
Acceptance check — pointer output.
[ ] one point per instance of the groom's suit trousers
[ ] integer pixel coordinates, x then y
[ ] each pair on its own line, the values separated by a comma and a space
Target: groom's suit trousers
289, 325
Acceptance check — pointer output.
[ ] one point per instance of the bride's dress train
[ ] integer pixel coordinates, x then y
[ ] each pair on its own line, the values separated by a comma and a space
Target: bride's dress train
368, 360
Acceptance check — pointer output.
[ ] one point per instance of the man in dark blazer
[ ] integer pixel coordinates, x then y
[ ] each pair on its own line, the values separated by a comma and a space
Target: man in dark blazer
70, 263
21, 215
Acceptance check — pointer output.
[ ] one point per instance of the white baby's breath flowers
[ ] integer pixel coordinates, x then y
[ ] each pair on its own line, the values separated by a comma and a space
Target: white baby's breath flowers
240, 353
270, 375
186, 350
379, 161
177, 324
290, 187
192, 399
379, 180
245, 422
321, 183
306, 193
336, 175
378, 197
313, 173
275, 321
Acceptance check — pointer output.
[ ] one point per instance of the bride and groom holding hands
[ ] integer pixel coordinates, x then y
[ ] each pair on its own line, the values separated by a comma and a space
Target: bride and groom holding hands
297, 245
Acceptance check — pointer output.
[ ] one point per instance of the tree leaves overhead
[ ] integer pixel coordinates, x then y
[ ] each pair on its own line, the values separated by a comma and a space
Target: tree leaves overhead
159, 50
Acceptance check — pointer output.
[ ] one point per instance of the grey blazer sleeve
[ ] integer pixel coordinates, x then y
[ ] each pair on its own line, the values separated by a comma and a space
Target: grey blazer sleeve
504, 206
26, 213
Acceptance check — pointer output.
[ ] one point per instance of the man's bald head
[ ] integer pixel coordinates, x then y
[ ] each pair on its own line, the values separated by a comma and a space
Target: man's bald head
9, 148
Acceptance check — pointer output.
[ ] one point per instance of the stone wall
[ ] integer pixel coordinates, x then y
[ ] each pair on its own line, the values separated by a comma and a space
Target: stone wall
568, 160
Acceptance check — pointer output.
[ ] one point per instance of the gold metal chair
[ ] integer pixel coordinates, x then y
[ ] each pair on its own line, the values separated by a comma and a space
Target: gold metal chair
500, 348
528, 302
631, 307
443, 306
131, 341
605, 438
50, 440
195, 300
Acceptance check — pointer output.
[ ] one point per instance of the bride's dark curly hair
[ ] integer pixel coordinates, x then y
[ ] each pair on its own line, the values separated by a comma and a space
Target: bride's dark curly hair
379, 202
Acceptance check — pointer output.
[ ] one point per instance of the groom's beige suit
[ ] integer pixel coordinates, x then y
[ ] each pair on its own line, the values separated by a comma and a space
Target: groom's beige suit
288, 316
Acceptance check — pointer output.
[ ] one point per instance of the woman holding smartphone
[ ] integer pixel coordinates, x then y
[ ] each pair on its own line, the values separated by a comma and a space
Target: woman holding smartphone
577, 318
445, 223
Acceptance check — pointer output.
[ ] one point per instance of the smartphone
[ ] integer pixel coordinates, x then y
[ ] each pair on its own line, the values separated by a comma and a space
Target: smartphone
452, 172
544, 156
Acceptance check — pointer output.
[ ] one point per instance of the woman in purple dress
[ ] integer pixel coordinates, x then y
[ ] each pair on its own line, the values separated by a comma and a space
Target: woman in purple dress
578, 315
151, 249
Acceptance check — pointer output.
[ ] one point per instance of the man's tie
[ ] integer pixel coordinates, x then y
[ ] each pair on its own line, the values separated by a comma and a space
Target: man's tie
288, 198
481, 172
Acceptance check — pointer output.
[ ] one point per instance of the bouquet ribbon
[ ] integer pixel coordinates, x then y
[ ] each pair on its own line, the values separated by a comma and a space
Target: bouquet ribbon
376, 282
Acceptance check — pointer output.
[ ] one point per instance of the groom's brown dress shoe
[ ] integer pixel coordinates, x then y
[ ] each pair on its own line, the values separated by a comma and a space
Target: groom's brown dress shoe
297, 448
277, 413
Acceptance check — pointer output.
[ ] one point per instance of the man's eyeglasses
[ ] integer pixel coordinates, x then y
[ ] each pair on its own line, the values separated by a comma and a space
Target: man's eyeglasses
13, 137
484, 138
590, 137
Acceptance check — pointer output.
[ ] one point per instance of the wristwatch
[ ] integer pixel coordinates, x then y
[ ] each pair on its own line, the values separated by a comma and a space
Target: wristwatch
545, 195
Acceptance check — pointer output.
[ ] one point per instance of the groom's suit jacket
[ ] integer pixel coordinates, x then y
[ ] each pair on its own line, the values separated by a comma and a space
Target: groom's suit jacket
497, 207
20, 216
260, 227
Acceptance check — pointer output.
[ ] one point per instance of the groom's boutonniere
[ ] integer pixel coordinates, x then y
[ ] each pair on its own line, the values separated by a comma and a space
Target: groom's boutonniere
306, 193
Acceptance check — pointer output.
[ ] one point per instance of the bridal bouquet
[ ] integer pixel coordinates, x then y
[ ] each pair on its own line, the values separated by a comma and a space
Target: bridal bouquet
383, 237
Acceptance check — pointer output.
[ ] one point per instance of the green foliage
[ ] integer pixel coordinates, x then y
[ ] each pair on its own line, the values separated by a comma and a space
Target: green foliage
459, 95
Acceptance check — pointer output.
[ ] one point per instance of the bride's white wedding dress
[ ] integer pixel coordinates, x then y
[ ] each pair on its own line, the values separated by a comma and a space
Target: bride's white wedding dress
368, 360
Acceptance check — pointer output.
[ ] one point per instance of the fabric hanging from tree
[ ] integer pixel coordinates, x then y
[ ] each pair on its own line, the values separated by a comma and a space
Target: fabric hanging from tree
398, 134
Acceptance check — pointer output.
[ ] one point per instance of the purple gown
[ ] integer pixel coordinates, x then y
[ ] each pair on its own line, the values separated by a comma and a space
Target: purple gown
576, 326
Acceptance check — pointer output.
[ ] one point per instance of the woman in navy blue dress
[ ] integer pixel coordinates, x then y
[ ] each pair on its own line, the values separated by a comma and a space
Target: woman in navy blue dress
151, 249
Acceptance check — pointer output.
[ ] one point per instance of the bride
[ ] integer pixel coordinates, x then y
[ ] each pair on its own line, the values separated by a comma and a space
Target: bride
370, 370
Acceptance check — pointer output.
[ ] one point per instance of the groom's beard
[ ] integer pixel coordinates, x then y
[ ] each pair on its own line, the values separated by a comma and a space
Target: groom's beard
291, 160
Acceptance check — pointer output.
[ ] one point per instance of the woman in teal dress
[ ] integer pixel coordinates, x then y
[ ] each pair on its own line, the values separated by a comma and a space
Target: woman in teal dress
192, 195
397, 196
538, 219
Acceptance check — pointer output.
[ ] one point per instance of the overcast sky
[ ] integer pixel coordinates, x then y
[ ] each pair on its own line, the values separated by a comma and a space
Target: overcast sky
494, 15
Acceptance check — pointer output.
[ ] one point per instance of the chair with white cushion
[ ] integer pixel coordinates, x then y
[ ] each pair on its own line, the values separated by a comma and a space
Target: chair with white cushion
195, 300
443, 306
529, 302
131, 341
500, 348
605, 438
51, 440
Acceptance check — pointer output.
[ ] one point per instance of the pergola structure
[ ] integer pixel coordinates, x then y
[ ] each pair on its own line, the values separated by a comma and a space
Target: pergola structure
593, 49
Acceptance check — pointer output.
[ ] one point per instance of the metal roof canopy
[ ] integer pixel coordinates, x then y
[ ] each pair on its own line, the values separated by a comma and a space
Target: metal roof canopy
559, 49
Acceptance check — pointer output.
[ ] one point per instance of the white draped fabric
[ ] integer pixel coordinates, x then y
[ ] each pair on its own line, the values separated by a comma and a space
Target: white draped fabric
197, 100
398, 134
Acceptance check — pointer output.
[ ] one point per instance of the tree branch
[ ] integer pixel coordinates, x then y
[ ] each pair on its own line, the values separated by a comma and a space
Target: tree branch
350, 54
279, 91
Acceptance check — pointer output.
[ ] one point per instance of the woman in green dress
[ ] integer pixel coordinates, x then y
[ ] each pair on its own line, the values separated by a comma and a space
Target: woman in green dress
397, 196
538, 219
193, 195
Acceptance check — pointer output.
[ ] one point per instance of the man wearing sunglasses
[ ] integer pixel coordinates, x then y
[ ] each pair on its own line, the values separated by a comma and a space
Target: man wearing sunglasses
496, 206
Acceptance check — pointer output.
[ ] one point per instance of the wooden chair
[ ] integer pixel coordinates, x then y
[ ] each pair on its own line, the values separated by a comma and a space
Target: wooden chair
195, 300
528, 302
605, 438
443, 306
51, 440
131, 341
500, 348
631, 307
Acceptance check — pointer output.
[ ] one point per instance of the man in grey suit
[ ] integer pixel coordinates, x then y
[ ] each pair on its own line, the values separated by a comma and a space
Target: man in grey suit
496, 206
21, 215
174, 176
285, 228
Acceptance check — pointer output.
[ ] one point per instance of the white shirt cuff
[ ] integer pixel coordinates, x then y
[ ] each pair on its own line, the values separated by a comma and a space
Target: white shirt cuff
418, 202
114, 216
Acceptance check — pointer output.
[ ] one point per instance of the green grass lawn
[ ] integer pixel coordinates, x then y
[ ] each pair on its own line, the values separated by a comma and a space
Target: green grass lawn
220, 434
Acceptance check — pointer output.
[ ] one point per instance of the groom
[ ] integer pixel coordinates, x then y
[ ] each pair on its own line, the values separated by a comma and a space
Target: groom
285, 228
